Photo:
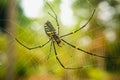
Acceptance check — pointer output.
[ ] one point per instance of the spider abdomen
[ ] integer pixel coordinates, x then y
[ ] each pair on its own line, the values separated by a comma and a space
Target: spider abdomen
50, 31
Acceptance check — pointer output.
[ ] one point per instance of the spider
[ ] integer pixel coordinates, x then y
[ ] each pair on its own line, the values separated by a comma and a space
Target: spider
54, 37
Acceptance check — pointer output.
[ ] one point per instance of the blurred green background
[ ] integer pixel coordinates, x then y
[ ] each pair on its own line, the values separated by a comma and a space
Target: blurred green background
24, 19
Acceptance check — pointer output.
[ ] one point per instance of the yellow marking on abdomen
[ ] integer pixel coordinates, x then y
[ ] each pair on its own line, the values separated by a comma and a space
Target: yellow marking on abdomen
49, 32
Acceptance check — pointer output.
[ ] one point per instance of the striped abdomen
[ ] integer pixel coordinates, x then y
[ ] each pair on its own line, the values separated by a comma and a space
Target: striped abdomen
50, 31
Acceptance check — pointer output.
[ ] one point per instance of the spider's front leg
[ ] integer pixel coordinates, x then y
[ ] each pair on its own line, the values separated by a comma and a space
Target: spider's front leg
89, 53
80, 27
56, 55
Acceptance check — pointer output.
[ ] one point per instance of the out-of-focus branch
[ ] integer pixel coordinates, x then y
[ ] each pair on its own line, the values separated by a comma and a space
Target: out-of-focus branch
11, 47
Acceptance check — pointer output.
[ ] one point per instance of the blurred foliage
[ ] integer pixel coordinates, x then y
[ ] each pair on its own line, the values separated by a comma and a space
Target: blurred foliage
33, 64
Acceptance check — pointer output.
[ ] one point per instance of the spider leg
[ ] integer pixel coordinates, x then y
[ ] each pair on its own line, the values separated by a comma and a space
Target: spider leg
83, 50
61, 62
80, 27
49, 51
55, 17
51, 15
30, 48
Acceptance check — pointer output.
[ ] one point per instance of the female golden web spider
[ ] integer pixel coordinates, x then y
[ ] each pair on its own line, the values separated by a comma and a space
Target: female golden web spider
55, 38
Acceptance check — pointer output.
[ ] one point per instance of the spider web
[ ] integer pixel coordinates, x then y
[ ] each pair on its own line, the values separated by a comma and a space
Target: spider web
31, 33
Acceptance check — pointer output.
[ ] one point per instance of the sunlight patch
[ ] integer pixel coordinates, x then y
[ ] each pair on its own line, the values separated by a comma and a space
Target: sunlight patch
32, 8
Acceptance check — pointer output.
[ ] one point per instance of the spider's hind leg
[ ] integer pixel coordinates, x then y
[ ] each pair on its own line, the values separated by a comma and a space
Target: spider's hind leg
55, 16
30, 48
